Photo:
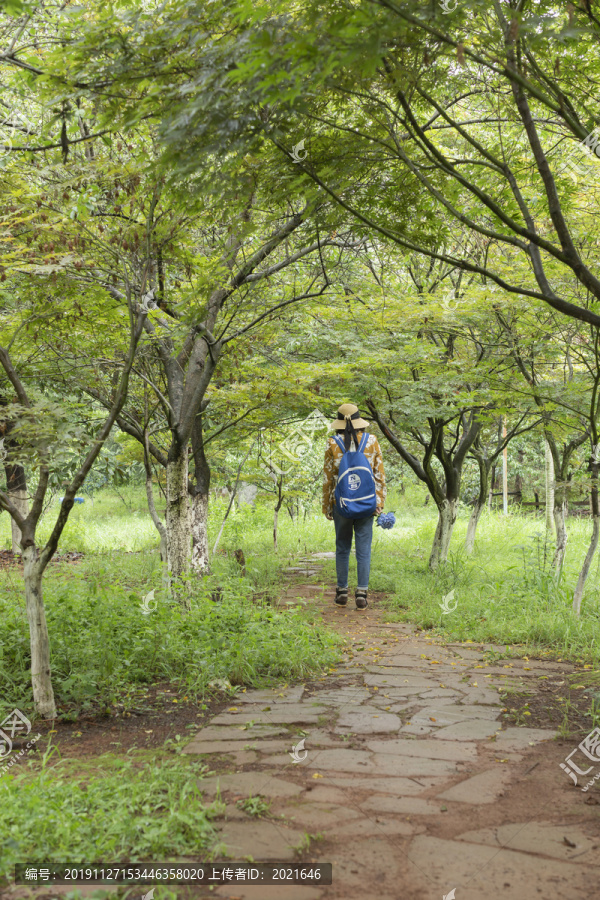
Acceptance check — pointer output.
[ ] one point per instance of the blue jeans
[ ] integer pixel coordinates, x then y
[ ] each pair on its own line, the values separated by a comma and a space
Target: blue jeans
363, 537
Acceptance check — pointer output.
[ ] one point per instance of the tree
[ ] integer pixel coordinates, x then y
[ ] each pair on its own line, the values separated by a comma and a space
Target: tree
188, 345
36, 446
16, 481
416, 93
204, 279
448, 441
542, 345
414, 122
290, 461
486, 450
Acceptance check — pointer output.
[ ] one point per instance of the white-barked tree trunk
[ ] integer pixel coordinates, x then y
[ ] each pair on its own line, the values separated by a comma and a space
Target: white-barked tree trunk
443, 533
43, 694
178, 519
200, 555
587, 563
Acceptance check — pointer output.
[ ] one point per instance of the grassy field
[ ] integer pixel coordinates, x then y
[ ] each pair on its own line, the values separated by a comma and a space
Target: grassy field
505, 593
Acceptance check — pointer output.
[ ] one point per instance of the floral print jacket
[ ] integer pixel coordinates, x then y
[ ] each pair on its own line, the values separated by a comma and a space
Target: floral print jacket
333, 456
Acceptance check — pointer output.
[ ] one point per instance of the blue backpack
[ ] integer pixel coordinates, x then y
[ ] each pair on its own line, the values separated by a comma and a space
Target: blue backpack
355, 496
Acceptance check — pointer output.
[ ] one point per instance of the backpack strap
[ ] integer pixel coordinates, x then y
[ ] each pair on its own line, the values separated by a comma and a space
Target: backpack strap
362, 444
339, 441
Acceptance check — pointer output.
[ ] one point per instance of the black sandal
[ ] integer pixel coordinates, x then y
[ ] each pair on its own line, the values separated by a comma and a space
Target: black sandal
341, 596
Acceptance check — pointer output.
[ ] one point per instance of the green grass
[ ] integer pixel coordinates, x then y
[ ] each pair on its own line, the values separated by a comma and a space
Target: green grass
506, 592
141, 807
102, 645
107, 522
255, 806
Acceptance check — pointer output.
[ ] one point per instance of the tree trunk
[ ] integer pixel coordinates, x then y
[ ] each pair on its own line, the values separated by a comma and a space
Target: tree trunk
504, 471
200, 560
443, 533
178, 516
482, 496
278, 506
491, 490
41, 681
587, 563
16, 486
200, 499
472, 526
559, 494
549, 485
518, 476
560, 511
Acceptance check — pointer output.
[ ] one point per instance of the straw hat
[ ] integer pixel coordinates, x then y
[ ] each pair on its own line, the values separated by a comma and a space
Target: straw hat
348, 411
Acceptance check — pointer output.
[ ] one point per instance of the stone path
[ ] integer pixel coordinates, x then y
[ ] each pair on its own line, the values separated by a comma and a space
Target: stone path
409, 784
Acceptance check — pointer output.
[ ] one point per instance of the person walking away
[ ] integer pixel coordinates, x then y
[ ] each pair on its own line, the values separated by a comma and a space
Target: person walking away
354, 492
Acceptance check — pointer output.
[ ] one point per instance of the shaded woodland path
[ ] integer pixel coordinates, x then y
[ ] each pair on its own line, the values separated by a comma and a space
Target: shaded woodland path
410, 780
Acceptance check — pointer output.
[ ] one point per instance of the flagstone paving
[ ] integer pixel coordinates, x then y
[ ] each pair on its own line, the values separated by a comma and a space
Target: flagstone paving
404, 777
